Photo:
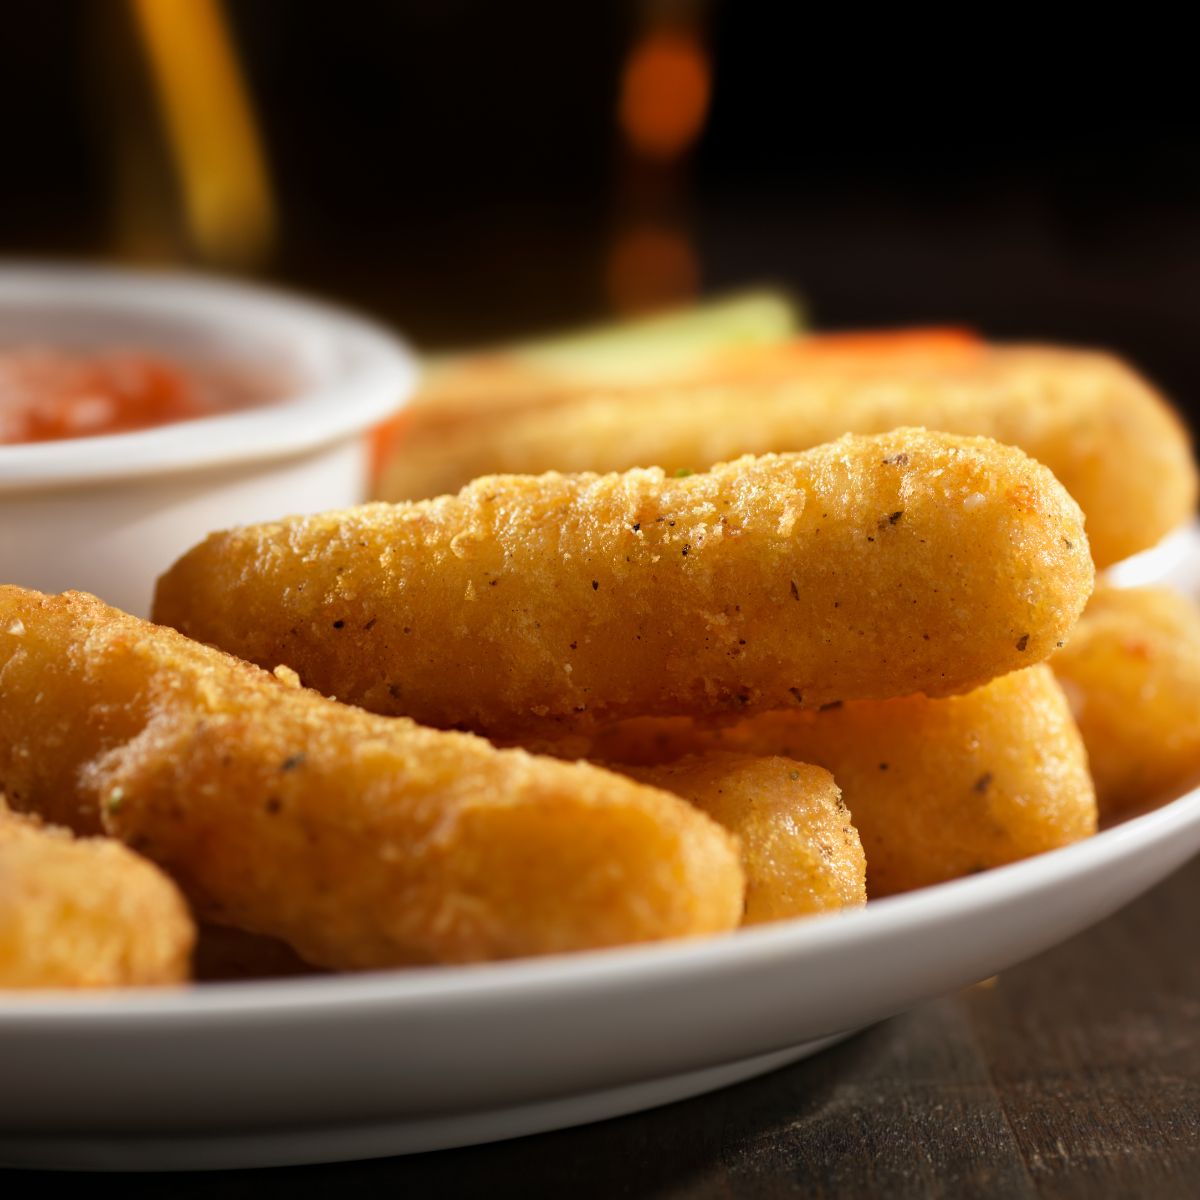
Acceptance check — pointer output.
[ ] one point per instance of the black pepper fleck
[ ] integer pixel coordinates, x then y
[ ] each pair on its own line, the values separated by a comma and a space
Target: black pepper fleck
339, 624
595, 585
293, 761
1023, 641
982, 784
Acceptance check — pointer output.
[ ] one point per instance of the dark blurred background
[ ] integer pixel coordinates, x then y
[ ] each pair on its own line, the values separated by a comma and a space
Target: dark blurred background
473, 171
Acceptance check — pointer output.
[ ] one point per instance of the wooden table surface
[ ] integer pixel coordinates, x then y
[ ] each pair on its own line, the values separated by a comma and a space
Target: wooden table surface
1075, 1075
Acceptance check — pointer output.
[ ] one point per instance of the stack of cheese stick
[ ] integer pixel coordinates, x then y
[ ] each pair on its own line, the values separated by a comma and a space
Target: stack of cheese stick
1107, 435
569, 711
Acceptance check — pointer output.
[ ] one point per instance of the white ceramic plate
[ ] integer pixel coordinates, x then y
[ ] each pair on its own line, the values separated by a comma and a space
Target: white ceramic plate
321, 1069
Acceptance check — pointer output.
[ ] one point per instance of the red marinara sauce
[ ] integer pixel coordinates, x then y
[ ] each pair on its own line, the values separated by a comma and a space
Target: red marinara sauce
51, 394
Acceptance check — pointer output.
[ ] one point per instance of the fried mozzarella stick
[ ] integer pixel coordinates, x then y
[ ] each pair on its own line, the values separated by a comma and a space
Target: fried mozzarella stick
936, 788
85, 914
871, 567
800, 852
943, 788
1107, 435
359, 840
1131, 670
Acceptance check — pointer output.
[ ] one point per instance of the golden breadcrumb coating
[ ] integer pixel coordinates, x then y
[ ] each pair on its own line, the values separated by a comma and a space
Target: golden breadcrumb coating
869, 568
361, 841
1131, 670
1111, 439
85, 913
943, 788
800, 852
936, 788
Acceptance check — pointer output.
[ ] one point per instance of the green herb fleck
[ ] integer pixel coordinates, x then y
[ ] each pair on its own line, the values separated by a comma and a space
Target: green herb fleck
114, 800
684, 472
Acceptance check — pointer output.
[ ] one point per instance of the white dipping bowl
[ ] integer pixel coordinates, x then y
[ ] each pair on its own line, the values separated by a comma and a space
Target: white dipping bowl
109, 514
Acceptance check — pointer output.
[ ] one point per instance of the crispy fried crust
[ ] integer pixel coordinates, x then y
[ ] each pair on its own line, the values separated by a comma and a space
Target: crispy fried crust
943, 788
936, 788
1131, 670
800, 852
1111, 439
85, 914
359, 840
872, 567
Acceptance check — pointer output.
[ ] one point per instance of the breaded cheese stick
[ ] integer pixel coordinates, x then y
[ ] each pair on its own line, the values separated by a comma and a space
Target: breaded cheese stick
871, 567
482, 386
85, 914
936, 788
1107, 435
800, 852
1131, 670
943, 788
359, 840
